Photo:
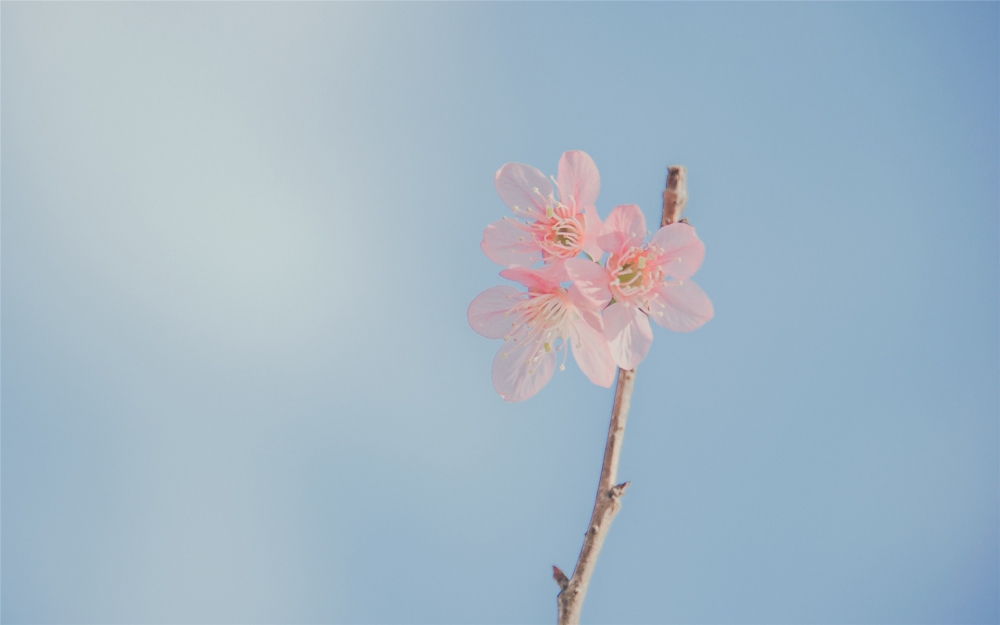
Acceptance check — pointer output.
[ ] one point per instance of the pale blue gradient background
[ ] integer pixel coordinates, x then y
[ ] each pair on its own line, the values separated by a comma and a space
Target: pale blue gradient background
239, 241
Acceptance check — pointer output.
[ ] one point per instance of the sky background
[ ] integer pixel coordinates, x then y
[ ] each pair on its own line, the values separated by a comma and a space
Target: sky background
238, 244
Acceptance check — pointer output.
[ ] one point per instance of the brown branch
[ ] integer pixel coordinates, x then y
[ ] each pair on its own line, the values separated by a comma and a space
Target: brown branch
609, 495
606, 506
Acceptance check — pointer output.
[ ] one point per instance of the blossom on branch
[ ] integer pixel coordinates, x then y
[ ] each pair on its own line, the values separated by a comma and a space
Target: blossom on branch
642, 282
536, 326
553, 228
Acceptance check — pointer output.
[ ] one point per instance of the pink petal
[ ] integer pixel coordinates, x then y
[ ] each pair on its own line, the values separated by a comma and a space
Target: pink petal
683, 251
592, 230
543, 279
555, 271
506, 243
517, 184
591, 281
680, 308
592, 354
521, 369
590, 316
624, 227
488, 312
578, 177
629, 334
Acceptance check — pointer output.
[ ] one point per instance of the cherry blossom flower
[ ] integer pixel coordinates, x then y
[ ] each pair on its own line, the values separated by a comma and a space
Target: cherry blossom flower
553, 229
536, 325
643, 282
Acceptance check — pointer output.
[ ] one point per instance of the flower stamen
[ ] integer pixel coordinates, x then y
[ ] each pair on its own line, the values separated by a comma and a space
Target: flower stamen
560, 235
635, 272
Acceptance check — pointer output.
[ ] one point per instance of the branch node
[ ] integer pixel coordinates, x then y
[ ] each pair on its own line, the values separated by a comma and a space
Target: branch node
560, 577
618, 491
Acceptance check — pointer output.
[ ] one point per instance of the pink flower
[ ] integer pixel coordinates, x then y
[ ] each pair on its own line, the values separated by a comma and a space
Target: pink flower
644, 281
535, 327
554, 228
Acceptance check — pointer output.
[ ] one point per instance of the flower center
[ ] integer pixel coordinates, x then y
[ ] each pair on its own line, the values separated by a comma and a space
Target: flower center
540, 320
544, 311
560, 233
634, 273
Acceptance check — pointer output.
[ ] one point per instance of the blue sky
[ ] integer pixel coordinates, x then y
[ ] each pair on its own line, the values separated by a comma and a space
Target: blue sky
239, 240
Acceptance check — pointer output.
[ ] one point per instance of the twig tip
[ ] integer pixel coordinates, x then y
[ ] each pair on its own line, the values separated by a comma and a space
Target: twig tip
674, 195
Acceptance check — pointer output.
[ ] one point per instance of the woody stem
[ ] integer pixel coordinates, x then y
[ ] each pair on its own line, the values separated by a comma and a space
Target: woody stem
606, 506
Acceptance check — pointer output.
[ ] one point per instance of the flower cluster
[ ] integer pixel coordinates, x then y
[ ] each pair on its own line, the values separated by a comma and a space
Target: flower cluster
599, 310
